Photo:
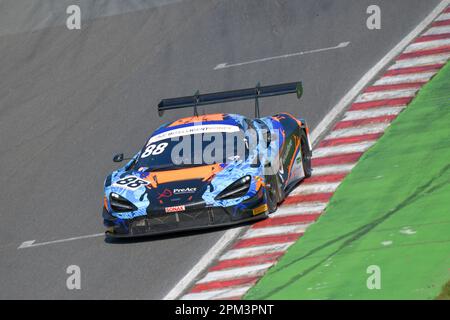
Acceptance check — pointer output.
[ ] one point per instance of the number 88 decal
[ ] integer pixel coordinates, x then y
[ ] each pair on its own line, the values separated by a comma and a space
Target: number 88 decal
154, 149
131, 182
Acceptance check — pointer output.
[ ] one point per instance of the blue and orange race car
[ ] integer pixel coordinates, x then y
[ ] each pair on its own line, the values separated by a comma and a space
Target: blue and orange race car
209, 170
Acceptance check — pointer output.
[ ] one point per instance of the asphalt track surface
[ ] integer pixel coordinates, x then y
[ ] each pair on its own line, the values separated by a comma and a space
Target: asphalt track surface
70, 99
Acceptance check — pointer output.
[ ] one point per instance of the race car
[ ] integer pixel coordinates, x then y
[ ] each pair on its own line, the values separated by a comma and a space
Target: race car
209, 170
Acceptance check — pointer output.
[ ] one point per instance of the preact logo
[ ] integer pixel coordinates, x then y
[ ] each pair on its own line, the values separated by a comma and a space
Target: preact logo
184, 190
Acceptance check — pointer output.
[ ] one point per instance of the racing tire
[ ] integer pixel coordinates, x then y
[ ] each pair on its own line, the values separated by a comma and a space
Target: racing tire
306, 155
271, 194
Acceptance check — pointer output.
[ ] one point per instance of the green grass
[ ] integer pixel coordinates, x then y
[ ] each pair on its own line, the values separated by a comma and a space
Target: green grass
392, 211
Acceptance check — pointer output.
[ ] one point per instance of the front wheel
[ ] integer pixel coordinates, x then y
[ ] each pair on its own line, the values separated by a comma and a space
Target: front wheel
271, 194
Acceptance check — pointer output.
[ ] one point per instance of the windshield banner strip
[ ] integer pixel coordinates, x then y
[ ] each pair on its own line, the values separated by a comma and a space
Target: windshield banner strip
195, 129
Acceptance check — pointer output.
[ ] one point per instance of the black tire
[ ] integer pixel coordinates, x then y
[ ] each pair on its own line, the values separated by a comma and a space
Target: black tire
306, 154
272, 194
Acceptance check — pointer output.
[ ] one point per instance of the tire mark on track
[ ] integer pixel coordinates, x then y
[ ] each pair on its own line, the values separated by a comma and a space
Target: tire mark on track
360, 232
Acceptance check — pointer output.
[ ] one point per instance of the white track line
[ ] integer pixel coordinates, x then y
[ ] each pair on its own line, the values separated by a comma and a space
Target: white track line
405, 78
375, 70
243, 272
284, 56
276, 230
367, 129
437, 30
217, 294
255, 251
390, 94
324, 170
315, 135
223, 242
342, 149
31, 243
420, 61
427, 45
372, 113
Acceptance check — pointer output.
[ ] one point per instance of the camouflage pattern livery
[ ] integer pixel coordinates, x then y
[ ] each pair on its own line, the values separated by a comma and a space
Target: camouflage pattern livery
153, 195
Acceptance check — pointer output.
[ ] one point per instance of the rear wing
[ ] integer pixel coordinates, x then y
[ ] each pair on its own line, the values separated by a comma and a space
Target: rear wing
228, 96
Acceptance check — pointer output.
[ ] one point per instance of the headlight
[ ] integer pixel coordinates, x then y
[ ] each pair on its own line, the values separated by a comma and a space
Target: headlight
120, 204
237, 189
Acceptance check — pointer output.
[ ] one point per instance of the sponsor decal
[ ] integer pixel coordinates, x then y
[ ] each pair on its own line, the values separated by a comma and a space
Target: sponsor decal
210, 128
167, 193
184, 190
260, 209
175, 209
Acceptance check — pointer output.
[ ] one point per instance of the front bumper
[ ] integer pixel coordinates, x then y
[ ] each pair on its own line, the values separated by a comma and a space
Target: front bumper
194, 219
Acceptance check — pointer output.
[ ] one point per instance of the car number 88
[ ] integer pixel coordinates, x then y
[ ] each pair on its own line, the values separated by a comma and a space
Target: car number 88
154, 149
131, 182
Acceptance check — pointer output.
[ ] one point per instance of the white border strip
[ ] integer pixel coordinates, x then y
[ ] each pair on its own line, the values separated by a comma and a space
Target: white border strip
223, 242
230, 235
364, 81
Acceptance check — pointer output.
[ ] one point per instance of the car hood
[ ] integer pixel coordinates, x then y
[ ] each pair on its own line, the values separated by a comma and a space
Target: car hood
179, 190
162, 189
176, 193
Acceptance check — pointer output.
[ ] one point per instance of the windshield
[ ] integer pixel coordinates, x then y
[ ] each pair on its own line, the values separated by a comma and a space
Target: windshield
193, 150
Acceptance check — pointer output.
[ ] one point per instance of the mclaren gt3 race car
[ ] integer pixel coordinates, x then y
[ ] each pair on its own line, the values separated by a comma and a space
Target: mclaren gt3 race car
209, 170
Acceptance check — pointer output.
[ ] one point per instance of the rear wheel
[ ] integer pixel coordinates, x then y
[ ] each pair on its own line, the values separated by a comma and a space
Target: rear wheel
306, 155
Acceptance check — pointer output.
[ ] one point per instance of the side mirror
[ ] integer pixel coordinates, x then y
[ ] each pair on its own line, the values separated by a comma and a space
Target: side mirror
118, 157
